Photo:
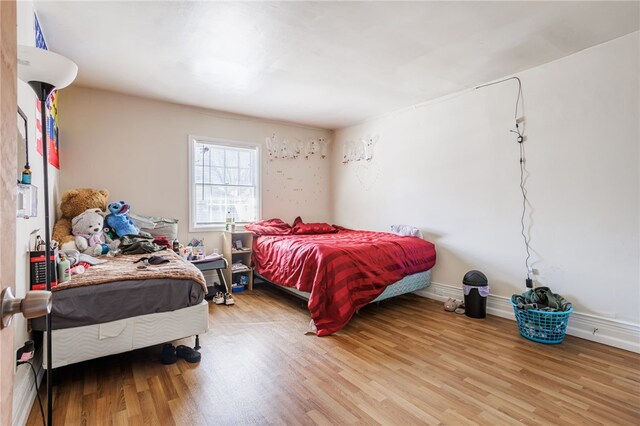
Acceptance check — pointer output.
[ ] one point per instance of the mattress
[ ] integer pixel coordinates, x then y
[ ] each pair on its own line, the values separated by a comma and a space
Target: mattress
80, 306
72, 345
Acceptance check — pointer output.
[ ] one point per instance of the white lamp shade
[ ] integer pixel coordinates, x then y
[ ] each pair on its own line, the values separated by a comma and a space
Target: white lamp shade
43, 66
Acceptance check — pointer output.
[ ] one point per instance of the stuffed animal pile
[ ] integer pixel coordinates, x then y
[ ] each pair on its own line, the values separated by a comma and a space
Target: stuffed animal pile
87, 226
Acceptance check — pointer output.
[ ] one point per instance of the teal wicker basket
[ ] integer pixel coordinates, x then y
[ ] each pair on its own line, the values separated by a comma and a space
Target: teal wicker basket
542, 326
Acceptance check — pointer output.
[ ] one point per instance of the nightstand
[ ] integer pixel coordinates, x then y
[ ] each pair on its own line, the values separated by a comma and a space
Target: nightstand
236, 247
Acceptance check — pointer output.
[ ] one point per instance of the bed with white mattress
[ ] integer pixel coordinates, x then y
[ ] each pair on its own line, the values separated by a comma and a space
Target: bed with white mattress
77, 344
116, 307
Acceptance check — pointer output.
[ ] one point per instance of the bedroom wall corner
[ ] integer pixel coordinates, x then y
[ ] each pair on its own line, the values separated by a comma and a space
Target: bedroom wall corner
334, 147
451, 168
24, 390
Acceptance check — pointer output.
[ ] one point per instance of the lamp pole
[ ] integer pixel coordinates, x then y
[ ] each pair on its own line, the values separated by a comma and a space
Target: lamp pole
43, 90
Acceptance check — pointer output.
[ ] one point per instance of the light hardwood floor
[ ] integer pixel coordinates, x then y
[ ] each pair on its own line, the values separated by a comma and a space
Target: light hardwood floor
403, 362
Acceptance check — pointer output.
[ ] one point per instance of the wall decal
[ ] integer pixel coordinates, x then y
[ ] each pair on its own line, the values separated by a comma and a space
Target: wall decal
369, 143
310, 148
359, 150
323, 146
286, 149
292, 181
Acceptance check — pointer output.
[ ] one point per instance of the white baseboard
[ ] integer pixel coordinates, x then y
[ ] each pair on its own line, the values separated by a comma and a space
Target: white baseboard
24, 390
610, 332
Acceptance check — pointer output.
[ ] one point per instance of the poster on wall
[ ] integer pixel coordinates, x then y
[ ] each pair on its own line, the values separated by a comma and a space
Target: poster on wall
52, 110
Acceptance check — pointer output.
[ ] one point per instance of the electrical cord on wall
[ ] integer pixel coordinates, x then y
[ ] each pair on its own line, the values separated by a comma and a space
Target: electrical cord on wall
526, 239
35, 382
520, 139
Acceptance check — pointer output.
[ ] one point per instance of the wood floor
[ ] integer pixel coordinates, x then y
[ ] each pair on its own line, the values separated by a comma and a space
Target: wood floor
403, 362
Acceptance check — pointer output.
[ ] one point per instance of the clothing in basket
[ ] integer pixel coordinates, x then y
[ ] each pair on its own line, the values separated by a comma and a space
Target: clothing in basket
542, 299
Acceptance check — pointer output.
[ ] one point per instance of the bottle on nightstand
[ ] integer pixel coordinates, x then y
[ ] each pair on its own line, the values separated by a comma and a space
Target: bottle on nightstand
230, 222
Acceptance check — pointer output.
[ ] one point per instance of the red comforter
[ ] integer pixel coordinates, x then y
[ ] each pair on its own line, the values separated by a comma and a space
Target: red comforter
342, 271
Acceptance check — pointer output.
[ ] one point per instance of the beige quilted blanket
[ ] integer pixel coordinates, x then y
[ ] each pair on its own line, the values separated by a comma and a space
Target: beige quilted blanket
122, 268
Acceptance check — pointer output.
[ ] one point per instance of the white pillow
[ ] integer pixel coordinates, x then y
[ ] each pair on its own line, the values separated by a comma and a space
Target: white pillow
406, 231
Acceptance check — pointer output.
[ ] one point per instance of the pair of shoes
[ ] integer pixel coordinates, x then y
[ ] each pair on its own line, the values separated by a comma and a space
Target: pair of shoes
453, 305
188, 354
170, 354
218, 298
228, 299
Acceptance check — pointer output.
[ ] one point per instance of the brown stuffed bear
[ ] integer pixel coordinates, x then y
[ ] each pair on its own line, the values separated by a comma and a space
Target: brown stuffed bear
73, 203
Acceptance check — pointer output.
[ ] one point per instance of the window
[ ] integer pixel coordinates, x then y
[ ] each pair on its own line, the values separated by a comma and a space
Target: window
225, 176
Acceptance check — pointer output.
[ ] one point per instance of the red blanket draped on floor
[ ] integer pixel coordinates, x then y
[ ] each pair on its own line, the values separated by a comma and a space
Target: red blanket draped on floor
342, 271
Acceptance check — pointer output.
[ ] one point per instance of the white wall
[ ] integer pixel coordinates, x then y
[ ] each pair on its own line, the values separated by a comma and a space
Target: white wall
451, 168
138, 149
23, 384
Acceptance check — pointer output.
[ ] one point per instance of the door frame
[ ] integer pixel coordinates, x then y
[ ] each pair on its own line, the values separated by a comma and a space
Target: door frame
8, 167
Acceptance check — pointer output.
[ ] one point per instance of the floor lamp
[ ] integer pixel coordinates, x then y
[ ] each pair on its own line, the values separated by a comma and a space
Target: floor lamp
45, 71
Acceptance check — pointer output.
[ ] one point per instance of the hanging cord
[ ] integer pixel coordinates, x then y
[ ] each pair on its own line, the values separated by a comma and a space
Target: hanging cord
520, 139
35, 382
525, 201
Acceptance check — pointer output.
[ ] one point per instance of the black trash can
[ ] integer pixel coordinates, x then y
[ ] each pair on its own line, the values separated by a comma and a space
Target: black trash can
476, 290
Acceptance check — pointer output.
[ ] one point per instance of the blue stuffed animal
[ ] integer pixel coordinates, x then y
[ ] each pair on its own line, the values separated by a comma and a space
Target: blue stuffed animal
119, 220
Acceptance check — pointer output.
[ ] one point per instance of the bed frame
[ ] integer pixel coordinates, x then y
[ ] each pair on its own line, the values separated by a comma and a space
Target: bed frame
77, 344
408, 284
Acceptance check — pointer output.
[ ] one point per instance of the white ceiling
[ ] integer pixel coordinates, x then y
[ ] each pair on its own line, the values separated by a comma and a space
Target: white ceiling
325, 64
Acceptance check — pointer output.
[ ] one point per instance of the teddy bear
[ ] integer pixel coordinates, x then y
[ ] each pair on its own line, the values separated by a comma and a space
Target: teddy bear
119, 220
73, 203
90, 239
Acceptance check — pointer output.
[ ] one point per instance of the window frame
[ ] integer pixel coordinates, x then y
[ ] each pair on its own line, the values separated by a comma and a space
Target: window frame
193, 139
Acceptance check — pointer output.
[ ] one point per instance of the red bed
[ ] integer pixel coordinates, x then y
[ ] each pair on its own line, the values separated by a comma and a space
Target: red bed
342, 271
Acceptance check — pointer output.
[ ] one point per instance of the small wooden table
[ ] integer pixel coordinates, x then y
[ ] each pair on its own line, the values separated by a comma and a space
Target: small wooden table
218, 265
